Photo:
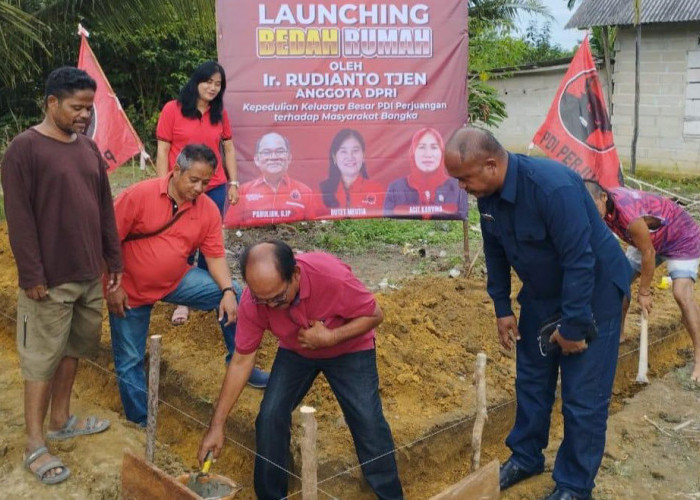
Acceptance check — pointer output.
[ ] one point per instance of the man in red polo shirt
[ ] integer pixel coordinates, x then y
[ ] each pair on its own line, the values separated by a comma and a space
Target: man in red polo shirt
324, 318
273, 197
160, 223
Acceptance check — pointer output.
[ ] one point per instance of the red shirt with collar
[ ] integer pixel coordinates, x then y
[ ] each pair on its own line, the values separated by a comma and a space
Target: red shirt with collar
180, 131
328, 292
154, 266
364, 198
261, 204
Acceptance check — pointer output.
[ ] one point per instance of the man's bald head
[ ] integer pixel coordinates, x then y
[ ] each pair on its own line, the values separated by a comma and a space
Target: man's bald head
474, 141
270, 271
273, 254
477, 160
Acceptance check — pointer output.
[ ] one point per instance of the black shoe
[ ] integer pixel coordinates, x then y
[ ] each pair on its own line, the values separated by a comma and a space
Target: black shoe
510, 473
558, 494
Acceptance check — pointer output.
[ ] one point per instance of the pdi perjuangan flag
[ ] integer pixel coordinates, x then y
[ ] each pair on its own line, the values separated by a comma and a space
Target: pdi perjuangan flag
340, 109
577, 131
109, 127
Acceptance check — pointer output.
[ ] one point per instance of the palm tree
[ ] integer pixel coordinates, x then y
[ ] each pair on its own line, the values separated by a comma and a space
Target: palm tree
19, 31
505, 12
26, 25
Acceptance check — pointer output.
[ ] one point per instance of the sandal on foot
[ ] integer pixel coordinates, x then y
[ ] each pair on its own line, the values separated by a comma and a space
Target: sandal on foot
42, 470
180, 315
92, 426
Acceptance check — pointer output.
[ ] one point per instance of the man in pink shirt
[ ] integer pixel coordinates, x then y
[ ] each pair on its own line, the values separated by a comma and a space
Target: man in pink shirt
324, 318
656, 230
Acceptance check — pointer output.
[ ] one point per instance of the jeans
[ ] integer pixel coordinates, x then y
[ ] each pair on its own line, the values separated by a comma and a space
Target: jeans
218, 195
197, 290
354, 380
586, 388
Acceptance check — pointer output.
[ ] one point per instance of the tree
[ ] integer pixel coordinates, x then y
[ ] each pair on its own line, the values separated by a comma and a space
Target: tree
27, 27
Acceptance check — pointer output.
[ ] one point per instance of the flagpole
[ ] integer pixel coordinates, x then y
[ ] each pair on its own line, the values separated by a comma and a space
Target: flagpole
637, 50
465, 222
608, 68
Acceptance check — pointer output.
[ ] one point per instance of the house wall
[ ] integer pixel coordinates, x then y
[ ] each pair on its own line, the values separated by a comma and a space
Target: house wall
669, 113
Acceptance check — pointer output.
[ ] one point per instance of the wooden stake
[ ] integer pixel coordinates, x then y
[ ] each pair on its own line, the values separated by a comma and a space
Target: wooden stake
465, 230
643, 351
153, 382
309, 465
481, 413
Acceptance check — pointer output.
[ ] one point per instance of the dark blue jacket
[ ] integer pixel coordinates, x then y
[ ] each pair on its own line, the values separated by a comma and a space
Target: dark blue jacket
545, 225
400, 193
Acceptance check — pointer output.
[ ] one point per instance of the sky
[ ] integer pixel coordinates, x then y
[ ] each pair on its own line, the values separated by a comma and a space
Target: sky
566, 38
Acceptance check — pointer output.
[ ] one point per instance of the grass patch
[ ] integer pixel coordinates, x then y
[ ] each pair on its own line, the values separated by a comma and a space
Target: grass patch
677, 184
356, 235
128, 174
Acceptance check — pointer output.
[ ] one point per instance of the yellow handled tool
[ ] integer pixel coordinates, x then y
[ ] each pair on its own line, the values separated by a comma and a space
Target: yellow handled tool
207, 462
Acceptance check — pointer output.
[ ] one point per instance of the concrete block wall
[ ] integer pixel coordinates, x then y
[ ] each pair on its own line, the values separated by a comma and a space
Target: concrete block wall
662, 145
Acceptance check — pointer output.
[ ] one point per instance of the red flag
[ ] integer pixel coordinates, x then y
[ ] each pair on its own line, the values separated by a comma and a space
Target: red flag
577, 130
109, 127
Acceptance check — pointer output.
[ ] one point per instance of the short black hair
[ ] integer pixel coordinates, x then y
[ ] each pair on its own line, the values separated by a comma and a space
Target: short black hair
595, 189
66, 81
284, 259
196, 152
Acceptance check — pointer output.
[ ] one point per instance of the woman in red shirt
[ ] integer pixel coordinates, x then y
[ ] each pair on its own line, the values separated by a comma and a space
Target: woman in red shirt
348, 190
198, 116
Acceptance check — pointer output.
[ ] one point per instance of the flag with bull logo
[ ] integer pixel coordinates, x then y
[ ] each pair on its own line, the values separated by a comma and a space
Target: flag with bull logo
577, 131
109, 127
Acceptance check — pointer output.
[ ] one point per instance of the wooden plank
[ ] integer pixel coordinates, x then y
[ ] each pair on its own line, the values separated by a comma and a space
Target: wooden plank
479, 485
142, 480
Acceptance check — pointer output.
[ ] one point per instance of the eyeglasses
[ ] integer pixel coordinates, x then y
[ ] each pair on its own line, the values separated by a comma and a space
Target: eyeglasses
269, 153
277, 300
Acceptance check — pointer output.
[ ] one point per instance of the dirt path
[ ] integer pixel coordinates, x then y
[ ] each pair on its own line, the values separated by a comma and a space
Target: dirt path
94, 461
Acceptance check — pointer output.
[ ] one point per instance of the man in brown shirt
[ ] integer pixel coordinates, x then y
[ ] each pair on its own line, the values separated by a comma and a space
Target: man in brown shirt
62, 231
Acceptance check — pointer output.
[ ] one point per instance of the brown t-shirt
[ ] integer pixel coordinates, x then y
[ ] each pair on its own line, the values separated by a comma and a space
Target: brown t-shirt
59, 210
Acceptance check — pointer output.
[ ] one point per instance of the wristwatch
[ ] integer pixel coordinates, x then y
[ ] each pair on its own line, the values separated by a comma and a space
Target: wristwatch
234, 183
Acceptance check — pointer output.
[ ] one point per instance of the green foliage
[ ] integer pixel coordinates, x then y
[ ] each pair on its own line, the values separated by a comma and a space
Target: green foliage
597, 37
146, 67
356, 235
353, 235
484, 104
493, 47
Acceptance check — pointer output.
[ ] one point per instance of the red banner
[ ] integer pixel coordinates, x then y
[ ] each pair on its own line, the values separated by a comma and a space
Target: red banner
340, 109
577, 131
109, 127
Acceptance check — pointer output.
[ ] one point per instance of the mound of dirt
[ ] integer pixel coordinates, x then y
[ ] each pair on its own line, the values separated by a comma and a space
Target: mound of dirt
434, 326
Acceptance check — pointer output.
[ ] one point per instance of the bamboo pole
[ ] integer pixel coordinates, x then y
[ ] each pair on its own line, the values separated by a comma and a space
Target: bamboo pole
481, 414
309, 465
637, 50
153, 382
608, 68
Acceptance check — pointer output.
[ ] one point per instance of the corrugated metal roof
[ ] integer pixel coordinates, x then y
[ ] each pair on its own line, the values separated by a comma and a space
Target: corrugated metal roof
621, 12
